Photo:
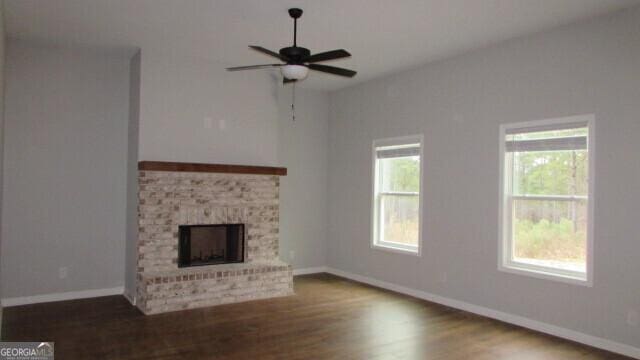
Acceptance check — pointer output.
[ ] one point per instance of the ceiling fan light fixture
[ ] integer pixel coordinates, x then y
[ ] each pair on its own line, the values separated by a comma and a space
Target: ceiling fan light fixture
294, 72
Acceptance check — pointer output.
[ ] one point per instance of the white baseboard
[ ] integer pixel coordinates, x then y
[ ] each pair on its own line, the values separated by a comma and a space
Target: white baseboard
132, 299
71, 295
554, 330
311, 270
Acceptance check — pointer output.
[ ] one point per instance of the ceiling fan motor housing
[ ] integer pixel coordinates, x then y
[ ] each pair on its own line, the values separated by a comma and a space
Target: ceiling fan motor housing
295, 54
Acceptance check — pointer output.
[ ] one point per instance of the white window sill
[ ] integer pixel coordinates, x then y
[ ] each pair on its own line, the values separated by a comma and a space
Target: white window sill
523, 269
394, 249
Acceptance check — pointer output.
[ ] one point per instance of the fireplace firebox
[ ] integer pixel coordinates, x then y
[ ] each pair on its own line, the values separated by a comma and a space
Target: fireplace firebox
210, 244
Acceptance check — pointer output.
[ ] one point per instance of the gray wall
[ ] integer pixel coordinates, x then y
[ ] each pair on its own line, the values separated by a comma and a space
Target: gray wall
302, 149
77, 187
193, 110
458, 104
66, 162
131, 247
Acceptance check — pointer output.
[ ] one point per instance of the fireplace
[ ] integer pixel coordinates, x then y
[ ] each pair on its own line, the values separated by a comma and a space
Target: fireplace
223, 216
210, 244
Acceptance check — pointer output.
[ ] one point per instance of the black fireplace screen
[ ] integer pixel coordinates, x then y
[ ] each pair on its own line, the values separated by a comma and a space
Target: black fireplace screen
210, 244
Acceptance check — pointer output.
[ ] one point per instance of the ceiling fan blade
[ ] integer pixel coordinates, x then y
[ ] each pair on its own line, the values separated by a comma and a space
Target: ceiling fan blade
327, 55
269, 52
288, 81
332, 70
252, 67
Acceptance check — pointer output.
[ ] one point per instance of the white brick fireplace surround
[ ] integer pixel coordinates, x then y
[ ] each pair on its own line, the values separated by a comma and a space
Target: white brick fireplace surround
173, 194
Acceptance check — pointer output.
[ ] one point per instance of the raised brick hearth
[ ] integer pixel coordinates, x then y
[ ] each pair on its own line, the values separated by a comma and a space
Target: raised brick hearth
187, 196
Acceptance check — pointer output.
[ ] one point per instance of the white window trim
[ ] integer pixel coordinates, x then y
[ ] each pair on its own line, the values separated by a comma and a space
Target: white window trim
504, 261
396, 248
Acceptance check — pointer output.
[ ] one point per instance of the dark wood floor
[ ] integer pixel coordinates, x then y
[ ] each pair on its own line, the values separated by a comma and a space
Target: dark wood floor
329, 318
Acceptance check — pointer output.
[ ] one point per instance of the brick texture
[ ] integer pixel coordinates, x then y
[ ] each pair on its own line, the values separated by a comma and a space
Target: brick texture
170, 199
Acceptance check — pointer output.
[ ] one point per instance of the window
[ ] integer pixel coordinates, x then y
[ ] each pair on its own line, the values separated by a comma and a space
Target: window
546, 205
396, 194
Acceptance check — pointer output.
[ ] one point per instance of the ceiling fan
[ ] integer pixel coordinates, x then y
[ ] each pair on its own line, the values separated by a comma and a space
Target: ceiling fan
298, 60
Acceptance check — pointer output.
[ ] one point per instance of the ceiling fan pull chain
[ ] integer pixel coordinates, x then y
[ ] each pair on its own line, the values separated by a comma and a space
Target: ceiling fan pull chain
293, 102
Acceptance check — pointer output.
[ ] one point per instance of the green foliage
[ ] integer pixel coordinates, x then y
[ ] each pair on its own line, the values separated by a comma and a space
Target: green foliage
545, 240
551, 173
404, 174
548, 230
402, 231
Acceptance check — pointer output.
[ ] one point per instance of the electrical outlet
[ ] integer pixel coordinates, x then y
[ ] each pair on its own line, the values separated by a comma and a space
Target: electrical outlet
292, 254
443, 278
207, 123
63, 272
222, 124
633, 319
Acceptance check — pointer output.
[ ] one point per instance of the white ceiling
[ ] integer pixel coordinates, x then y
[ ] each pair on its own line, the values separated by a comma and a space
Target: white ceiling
383, 36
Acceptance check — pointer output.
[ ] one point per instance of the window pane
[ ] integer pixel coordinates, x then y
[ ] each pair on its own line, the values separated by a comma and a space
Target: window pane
550, 173
400, 174
399, 215
550, 233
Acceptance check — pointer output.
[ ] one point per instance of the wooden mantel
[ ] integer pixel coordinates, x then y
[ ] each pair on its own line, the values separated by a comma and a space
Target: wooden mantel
211, 168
